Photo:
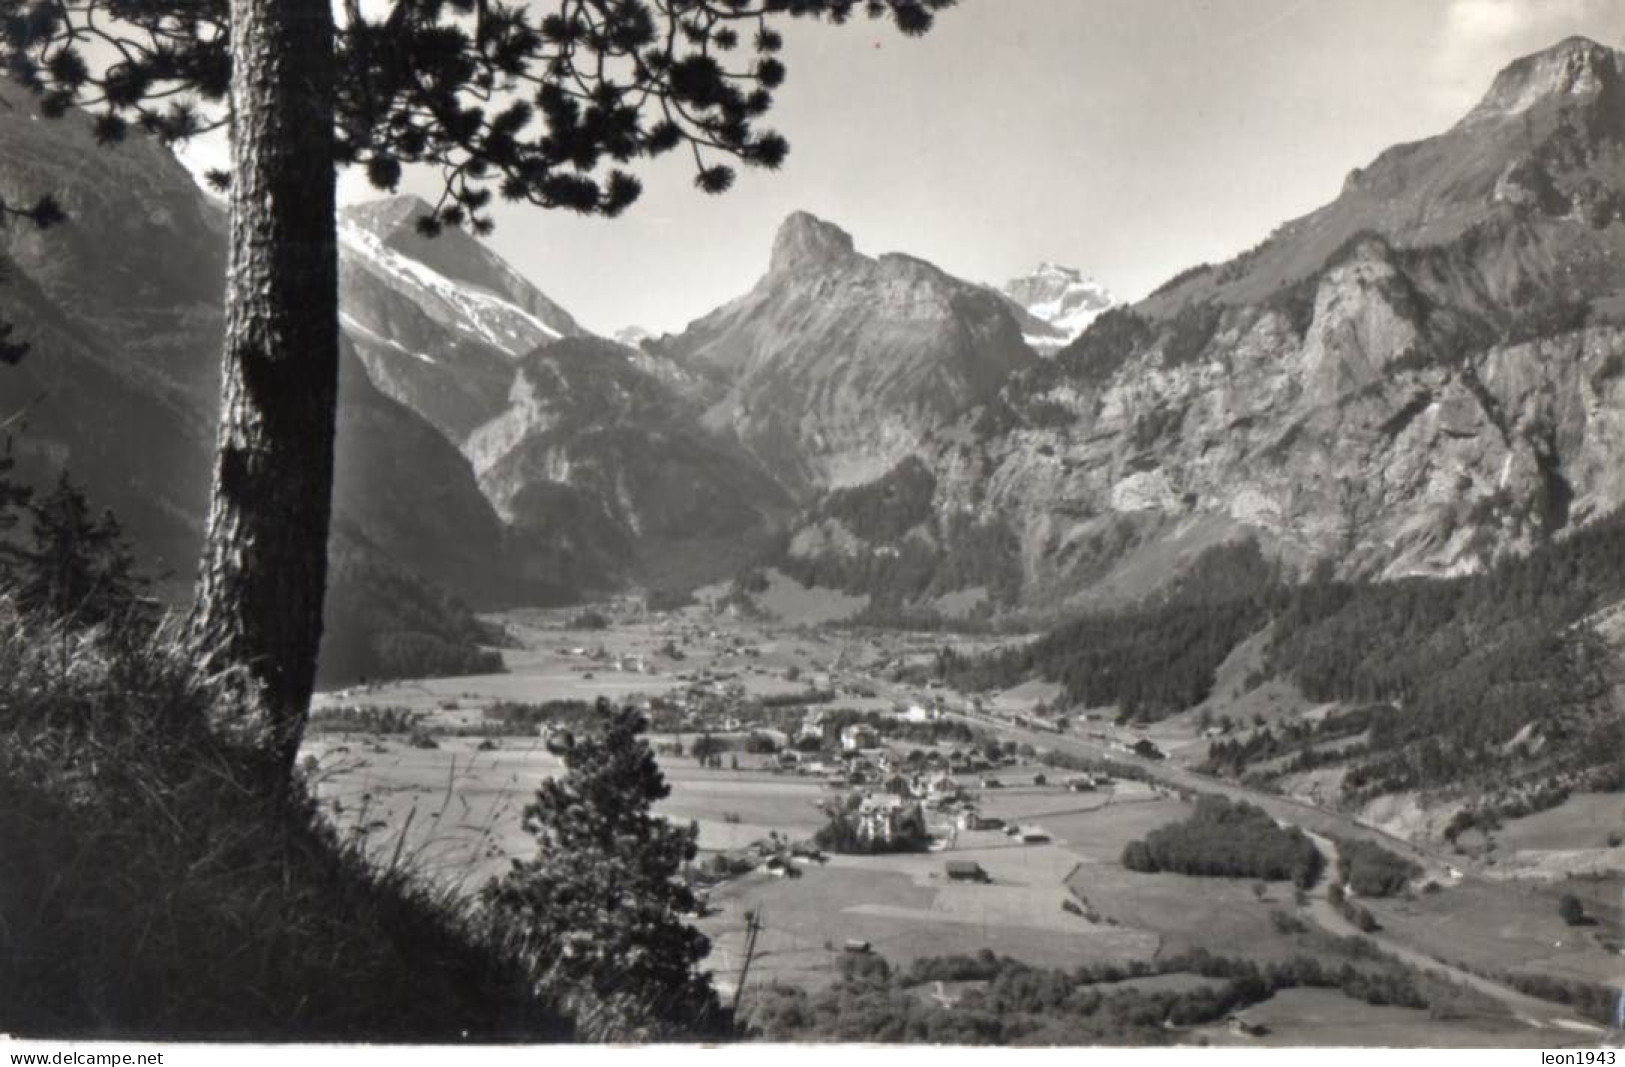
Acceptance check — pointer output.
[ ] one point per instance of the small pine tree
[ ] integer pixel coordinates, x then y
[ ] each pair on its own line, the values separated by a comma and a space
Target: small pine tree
13, 499
75, 569
602, 903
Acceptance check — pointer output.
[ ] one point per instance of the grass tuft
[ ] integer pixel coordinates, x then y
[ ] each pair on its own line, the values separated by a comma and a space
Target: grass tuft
155, 882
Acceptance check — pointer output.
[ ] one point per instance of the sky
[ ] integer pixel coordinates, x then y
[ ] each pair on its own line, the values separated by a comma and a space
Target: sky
1127, 138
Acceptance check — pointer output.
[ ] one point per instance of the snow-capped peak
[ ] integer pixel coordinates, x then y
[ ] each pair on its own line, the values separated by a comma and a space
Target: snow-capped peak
1062, 297
633, 336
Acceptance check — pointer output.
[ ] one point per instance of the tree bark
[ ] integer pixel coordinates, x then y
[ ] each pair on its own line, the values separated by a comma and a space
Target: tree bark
258, 612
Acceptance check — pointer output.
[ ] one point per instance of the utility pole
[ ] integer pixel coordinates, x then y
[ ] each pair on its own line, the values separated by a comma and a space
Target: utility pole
753, 926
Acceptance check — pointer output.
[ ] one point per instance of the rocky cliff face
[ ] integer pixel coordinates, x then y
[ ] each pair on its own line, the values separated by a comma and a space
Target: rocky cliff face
1415, 379
1423, 375
835, 366
598, 461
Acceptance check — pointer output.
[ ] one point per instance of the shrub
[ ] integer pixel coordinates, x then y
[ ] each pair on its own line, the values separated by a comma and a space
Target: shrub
759, 744
1287, 923
1373, 871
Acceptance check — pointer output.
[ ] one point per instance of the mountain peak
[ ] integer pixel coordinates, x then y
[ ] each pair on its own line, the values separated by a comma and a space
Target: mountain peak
805, 240
1575, 67
1061, 297
1047, 269
388, 214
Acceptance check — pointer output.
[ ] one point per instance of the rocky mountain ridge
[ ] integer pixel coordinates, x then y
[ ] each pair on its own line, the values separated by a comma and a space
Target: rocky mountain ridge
836, 365
1418, 378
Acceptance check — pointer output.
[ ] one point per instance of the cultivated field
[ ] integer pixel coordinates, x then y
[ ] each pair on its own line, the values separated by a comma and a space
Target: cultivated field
454, 811
1296, 1017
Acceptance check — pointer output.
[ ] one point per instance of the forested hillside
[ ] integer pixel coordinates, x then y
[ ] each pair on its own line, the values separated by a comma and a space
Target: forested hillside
1447, 673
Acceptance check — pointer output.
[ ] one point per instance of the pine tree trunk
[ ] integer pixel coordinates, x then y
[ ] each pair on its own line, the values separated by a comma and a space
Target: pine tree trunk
259, 602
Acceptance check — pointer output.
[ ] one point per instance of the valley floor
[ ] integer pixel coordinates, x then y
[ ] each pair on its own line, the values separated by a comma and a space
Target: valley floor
453, 811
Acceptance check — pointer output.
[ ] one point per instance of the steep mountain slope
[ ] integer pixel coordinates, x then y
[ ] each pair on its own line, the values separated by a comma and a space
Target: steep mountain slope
122, 308
591, 434
438, 321
1062, 300
835, 365
1419, 378
591, 451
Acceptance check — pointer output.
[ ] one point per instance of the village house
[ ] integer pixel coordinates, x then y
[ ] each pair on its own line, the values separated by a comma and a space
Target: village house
920, 713
886, 818
858, 736
965, 871
971, 819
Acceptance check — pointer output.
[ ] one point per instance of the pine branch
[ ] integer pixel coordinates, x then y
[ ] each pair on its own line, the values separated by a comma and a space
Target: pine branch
551, 110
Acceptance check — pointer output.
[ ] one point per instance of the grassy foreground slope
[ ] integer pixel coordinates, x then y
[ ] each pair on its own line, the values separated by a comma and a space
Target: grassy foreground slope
152, 886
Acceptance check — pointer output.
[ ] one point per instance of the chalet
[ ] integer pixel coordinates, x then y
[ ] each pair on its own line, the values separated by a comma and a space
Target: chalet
965, 871
1241, 1026
886, 818
858, 736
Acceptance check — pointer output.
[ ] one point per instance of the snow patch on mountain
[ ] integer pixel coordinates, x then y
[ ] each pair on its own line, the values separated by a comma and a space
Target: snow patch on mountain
633, 336
498, 321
